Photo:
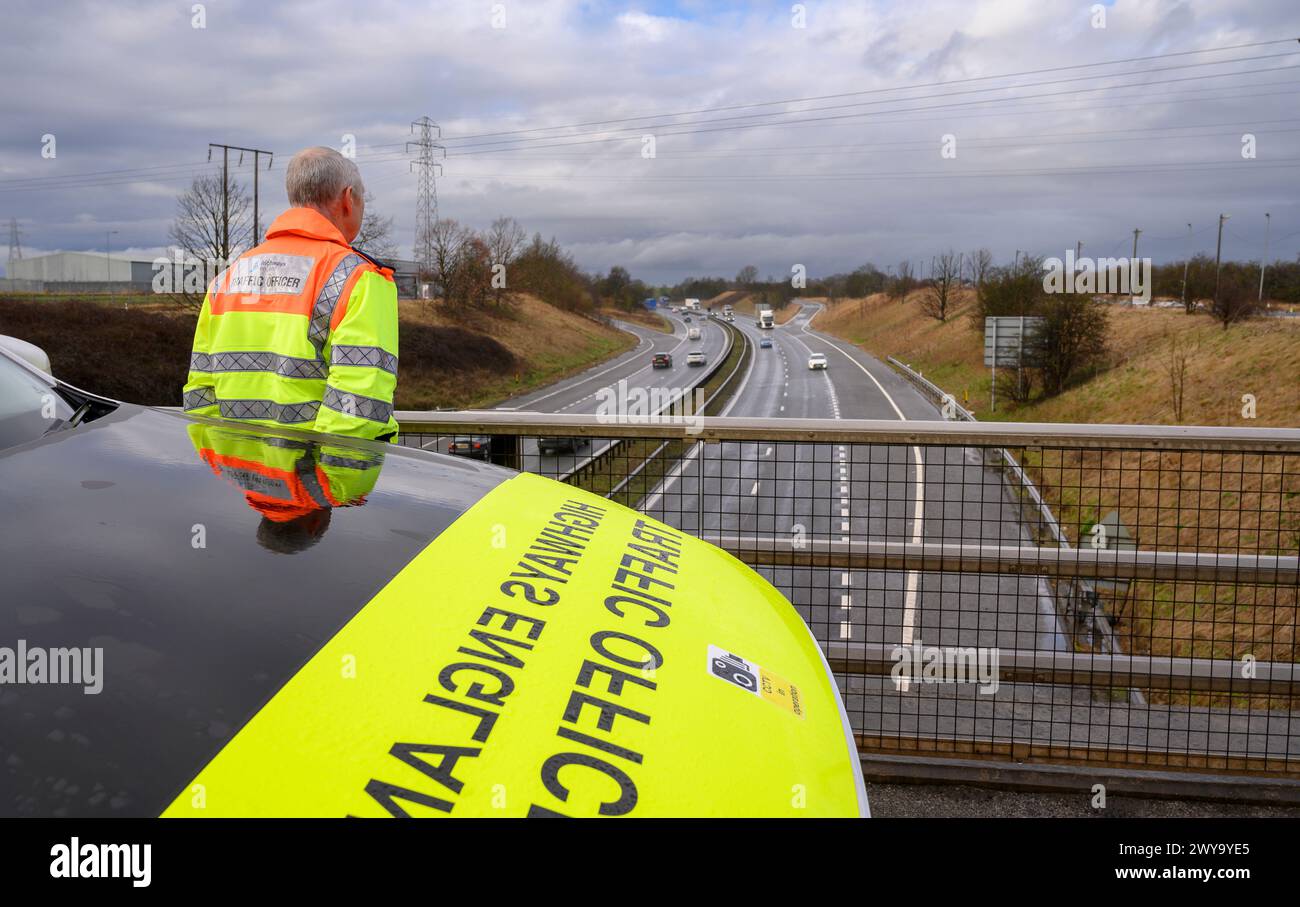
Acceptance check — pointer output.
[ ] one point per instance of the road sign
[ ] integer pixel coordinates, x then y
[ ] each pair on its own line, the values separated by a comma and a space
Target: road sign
1005, 339
1110, 534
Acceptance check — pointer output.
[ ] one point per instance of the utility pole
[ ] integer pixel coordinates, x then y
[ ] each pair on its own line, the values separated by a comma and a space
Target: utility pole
1132, 263
108, 267
225, 190
1218, 257
108, 264
1187, 261
1263, 262
426, 194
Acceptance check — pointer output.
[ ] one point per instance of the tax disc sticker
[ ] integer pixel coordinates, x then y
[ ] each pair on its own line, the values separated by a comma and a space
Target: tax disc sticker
754, 679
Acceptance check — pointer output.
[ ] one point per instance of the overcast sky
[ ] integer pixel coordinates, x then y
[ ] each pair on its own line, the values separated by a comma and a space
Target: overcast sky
133, 92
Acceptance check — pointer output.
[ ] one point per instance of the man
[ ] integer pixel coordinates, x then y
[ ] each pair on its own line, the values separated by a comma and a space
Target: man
301, 331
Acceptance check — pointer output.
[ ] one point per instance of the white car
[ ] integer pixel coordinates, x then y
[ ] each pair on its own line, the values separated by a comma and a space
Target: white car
695, 357
817, 360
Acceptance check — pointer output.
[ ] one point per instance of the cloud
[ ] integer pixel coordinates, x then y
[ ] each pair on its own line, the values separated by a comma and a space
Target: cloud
858, 177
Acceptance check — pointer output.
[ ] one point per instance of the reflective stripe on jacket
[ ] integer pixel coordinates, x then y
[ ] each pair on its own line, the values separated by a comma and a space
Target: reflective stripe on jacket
299, 331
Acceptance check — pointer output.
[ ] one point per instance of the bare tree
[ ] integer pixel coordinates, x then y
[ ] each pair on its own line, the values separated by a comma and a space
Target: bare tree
940, 293
1176, 370
748, 275
1071, 339
981, 262
376, 234
447, 238
199, 231
473, 281
904, 282
1235, 300
505, 240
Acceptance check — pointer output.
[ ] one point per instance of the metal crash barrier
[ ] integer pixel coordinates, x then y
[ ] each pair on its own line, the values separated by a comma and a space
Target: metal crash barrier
1090, 597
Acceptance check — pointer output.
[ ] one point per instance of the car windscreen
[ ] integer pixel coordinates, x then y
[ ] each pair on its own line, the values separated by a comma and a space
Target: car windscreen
29, 407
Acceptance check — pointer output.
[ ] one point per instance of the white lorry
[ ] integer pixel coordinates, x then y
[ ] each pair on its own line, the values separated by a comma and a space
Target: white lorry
692, 305
692, 333
766, 319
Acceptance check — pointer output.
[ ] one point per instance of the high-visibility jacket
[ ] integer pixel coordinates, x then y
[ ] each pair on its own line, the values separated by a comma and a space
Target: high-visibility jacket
299, 331
285, 480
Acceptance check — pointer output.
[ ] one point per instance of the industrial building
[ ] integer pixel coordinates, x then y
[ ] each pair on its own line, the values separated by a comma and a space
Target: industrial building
91, 272
78, 272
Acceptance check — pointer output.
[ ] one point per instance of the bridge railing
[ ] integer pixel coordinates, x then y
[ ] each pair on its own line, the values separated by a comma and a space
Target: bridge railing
1154, 629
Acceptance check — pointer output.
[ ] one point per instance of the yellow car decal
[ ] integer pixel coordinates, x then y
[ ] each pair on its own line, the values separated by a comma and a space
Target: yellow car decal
551, 653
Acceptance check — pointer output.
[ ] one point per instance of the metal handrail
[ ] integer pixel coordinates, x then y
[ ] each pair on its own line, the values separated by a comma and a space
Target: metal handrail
860, 431
947, 557
1093, 669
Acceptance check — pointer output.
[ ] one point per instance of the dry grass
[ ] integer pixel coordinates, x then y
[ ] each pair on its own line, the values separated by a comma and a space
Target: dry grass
746, 303
1260, 357
546, 344
1187, 501
449, 358
646, 318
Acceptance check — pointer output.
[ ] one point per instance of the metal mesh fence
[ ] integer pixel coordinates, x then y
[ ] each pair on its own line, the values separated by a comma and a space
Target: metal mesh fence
1127, 601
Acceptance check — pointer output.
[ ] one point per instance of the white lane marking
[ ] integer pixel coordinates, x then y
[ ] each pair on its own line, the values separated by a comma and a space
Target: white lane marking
846, 602
769, 452
844, 579
844, 489
580, 380
676, 472
846, 630
909, 594
844, 527
754, 490
844, 511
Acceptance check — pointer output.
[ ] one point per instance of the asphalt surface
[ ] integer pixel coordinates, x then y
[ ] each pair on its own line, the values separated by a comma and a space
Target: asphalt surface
896, 493
627, 381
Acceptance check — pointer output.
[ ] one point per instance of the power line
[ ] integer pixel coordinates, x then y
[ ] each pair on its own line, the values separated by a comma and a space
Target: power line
781, 113
898, 88
1173, 167
859, 149
840, 117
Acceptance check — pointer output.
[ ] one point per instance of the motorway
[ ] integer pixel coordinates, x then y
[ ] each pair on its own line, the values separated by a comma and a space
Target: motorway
893, 493
852, 492
586, 392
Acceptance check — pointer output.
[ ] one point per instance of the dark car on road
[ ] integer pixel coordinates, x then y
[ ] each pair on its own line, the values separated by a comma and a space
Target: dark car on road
662, 360
476, 448
561, 445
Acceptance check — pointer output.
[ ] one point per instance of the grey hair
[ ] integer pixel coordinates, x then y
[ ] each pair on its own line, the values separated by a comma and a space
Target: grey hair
316, 176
